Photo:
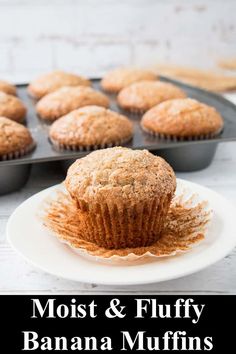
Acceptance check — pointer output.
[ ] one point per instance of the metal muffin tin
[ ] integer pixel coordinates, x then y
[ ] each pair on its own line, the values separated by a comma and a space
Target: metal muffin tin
182, 155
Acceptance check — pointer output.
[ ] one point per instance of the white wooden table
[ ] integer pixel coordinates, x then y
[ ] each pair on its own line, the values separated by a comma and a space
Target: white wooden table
17, 276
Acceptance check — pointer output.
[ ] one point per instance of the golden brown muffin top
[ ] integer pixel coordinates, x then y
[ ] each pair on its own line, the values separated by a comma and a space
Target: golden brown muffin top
66, 99
54, 80
7, 88
12, 107
13, 136
91, 125
115, 80
144, 95
120, 175
183, 117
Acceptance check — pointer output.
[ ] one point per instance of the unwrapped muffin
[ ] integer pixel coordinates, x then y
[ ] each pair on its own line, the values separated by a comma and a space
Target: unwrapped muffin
15, 139
122, 196
90, 127
183, 119
66, 99
54, 80
12, 107
143, 95
7, 88
115, 80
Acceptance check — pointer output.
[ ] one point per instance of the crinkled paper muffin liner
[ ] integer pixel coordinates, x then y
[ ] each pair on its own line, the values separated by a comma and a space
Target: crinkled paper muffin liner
133, 112
118, 226
169, 137
185, 226
18, 153
74, 147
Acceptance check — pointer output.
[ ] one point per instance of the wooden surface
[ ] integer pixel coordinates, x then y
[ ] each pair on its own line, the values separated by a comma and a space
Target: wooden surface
17, 276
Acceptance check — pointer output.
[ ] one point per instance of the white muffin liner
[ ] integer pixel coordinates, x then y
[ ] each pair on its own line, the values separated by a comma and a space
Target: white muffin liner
187, 223
18, 153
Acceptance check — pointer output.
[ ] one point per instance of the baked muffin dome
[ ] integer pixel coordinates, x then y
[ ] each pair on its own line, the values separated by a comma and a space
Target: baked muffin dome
183, 118
54, 80
66, 99
122, 196
89, 127
12, 107
115, 80
7, 88
15, 139
143, 95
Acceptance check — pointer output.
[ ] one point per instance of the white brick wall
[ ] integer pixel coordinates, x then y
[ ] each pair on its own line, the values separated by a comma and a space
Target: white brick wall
91, 36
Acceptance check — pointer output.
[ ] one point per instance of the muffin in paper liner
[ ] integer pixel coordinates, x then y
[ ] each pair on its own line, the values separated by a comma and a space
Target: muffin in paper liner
12, 107
185, 226
52, 81
15, 140
122, 196
67, 99
90, 128
141, 96
183, 119
8, 88
118, 78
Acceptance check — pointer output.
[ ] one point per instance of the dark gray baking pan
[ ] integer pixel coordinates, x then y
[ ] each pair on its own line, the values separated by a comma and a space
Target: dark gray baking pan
183, 155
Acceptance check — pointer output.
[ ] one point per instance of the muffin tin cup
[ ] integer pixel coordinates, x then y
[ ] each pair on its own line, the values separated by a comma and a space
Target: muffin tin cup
13, 177
194, 158
114, 226
64, 147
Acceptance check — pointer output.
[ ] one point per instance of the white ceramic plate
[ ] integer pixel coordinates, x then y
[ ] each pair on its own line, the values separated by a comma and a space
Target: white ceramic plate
29, 238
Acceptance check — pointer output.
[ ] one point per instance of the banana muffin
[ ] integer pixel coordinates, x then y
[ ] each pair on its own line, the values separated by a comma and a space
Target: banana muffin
117, 79
66, 99
141, 96
12, 107
54, 80
183, 119
90, 127
15, 139
122, 196
7, 88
